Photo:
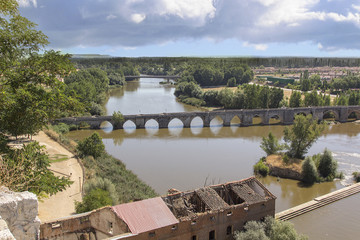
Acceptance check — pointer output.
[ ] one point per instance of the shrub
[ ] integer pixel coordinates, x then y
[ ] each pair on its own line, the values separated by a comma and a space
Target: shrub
73, 127
193, 101
270, 144
84, 125
61, 128
96, 109
356, 176
118, 119
104, 184
261, 168
270, 229
92, 146
231, 82
286, 159
96, 198
309, 172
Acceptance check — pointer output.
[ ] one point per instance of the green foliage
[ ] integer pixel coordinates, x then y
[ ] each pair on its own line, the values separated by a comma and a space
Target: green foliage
89, 86
286, 159
308, 171
91, 146
305, 85
192, 101
61, 128
327, 166
270, 229
304, 132
261, 168
103, 184
128, 186
118, 119
211, 98
26, 169
96, 198
270, 144
295, 99
96, 109
189, 89
31, 93
231, 82
225, 97
356, 176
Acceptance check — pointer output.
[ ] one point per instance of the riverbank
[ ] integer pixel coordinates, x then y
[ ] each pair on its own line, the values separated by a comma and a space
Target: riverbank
62, 203
129, 186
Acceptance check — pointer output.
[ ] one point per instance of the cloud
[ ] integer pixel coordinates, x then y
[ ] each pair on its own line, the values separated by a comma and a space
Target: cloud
256, 23
137, 17
27, 3
260, 47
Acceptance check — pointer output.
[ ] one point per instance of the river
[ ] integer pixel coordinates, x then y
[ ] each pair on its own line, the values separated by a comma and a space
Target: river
189, 158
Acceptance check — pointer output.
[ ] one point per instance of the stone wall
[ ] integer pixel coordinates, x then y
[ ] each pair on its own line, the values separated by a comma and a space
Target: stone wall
20, 210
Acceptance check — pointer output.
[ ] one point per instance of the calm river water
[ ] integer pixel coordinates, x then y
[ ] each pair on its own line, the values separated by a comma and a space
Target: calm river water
189, 158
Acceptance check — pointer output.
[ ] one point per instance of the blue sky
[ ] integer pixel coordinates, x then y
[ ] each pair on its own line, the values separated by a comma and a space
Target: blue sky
133, 28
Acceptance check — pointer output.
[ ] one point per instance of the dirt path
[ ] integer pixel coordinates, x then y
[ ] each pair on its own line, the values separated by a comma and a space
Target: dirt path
62, 203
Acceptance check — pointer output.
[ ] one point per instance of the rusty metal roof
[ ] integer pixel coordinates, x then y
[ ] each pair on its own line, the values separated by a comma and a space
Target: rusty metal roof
145, 215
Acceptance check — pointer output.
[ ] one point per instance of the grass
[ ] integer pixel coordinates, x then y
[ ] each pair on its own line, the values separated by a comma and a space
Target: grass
58, 158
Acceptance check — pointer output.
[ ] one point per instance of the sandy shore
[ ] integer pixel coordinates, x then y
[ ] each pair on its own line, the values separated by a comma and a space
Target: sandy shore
62, 203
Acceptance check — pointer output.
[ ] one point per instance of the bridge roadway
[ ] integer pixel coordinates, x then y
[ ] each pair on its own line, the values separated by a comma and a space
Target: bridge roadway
285, 115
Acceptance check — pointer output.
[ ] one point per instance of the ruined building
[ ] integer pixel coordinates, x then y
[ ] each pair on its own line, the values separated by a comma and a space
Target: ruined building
213, 212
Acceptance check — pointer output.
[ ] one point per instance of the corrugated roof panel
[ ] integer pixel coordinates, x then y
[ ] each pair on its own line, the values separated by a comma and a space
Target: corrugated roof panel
145, 215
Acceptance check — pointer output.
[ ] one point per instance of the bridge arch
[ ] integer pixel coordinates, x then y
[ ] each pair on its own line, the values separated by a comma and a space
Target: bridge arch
129, 124
216, 120
106, 125
196, 121
329, 113
353, 114
151, 123
176, 123
258, 119
235, 121
275, 118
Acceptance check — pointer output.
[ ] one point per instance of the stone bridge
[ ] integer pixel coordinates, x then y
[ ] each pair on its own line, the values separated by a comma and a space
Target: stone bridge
285, 116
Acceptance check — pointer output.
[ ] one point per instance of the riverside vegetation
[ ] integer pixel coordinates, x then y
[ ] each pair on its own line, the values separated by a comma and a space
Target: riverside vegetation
108, 182
298, 139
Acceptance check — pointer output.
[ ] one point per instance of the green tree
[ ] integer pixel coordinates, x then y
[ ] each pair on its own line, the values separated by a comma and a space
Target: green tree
118, 119
275, 97
269, 229
91, 146
225, 97
26, 169
305, 85
327, 166
312, 99
31, 95
270, 144
295, 99
95, 199
304, 132
308, 171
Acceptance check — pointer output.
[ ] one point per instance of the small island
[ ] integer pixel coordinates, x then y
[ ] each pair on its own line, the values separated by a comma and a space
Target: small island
293, 164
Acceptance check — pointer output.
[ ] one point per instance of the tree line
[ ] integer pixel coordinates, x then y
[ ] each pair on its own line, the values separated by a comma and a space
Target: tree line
247, 96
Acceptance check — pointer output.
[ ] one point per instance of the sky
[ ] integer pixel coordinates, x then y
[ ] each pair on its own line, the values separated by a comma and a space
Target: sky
135, 28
